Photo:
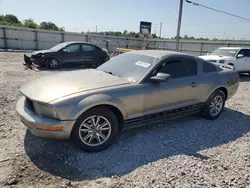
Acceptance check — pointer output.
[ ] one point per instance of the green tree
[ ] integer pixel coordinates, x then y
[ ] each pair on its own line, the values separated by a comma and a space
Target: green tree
11, 19
154, 35
48, 26
30, 23
61, 29
125, 32
2, 18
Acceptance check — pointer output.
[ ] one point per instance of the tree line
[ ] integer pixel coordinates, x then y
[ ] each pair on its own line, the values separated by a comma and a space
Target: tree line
125, 33
12, 20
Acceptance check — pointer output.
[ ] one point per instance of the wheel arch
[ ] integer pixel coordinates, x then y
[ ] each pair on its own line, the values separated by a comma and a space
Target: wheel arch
223, 89
113, 109
98, 101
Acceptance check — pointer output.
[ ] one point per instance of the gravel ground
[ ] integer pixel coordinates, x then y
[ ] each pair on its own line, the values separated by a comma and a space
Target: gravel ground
190, 152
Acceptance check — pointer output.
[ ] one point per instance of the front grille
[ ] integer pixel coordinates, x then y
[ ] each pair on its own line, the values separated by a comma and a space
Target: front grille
30, 104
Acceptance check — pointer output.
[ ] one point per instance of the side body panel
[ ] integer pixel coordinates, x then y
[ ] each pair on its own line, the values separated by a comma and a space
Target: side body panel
145, 100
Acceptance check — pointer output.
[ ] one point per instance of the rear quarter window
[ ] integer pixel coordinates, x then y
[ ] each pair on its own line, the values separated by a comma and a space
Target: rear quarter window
208, 67
98, 49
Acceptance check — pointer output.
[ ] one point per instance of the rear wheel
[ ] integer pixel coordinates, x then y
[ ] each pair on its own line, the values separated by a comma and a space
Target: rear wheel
95, 130
214, 105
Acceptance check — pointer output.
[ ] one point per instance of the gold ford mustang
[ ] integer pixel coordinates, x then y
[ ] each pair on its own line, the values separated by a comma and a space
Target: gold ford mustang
92, 106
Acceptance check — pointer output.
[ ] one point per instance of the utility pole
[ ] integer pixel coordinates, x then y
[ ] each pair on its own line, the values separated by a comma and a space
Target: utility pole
160, 29
179, 25
96, 29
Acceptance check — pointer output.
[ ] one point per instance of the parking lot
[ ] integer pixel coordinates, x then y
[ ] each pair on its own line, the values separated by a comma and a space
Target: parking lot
189, 152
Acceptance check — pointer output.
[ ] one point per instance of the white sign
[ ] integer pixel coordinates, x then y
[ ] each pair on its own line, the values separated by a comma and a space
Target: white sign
142, 64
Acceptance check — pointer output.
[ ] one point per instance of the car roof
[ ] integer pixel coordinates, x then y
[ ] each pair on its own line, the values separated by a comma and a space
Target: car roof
235, 48
158, 53
72, 42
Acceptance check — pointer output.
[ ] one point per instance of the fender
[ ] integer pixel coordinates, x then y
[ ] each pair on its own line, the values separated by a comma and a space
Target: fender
212, 89
215, 85
95, 100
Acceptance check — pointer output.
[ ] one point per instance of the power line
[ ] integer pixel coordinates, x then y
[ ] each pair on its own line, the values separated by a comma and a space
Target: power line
211, 23
196, 4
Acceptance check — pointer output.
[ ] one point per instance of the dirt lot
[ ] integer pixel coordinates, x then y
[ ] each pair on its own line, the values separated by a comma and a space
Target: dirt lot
190, 152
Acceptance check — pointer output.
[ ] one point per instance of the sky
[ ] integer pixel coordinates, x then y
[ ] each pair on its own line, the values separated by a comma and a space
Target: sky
119, 15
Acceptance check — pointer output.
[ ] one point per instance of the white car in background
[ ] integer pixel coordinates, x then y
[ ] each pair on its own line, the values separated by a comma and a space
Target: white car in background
238, 57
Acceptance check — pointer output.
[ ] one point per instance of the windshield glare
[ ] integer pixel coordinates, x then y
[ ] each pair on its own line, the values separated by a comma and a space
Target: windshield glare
130, 66
58, 47
224, 52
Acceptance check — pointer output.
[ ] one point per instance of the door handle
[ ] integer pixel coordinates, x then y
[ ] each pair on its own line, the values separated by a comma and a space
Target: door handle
194, 84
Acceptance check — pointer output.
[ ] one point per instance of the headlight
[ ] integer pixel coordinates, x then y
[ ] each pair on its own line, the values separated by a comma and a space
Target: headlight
222, 61
45, 110
40, 55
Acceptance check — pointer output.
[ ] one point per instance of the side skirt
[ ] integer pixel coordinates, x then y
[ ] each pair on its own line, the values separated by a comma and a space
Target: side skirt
162, 116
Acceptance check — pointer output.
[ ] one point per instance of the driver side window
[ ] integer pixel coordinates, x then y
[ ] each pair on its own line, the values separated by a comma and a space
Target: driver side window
245, 53
73, 48
179, 68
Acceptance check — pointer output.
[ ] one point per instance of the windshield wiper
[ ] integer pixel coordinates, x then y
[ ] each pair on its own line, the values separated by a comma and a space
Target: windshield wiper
109, 72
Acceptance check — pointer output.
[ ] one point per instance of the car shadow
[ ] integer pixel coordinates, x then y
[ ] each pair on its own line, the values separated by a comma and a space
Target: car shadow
137, 147
244, 78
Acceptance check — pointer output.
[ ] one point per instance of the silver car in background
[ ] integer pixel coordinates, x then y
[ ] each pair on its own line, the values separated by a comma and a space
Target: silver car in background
92, 106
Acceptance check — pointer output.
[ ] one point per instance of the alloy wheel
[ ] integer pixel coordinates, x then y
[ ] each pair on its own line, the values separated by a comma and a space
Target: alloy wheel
94, 130
216, 105
54, 63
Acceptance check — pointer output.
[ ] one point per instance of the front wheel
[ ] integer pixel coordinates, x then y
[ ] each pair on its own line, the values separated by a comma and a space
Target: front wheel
95, 130
53, 63
214, 105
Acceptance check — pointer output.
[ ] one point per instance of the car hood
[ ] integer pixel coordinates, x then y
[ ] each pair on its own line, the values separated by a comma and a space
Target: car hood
52, 87
40, 52
215, 57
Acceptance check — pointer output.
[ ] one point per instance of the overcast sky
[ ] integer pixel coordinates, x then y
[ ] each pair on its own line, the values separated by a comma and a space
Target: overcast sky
84, 15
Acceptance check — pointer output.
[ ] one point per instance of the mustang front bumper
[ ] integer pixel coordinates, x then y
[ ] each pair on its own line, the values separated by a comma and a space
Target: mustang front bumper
38, 124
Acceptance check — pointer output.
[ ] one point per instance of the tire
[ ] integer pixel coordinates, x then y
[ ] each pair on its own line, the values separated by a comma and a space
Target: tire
210, 114
92, 139
53, 63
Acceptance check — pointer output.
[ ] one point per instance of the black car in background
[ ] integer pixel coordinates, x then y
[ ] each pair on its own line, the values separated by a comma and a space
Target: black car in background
76, 53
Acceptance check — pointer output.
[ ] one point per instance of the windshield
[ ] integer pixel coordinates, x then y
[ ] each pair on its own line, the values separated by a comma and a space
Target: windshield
129, 65
58, 47
224, 52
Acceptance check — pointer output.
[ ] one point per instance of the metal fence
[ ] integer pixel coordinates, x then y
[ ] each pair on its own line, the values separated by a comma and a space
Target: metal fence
20, 38
194, 47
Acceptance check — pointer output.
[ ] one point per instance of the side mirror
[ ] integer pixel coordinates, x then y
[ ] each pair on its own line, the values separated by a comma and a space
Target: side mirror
64, 50
240, 55
160, 77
